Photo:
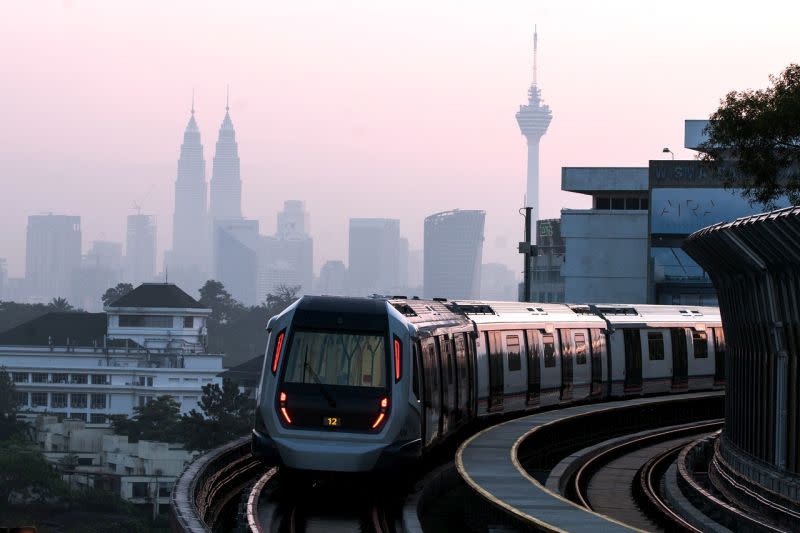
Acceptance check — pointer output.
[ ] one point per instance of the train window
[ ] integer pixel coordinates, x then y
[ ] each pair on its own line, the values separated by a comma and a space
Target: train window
549, 351
700, 344
447, 359
655, 345
512, 345
337, 358
461, 357
580, 348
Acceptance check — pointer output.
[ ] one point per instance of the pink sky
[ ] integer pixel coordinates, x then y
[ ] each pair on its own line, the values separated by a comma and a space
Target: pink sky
360, 108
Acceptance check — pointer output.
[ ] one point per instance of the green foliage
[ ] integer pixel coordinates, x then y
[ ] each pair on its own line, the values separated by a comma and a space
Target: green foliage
227, 414
236, 330
59, 304
114, 293
9, 425
758, 133
157, 420
25, 472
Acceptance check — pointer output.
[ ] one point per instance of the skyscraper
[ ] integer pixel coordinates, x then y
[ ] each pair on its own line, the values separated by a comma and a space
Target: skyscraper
533, 120
189, 261
226, 186
140, 249
53, 255
236, 245
374, 251
101, 268
453, 253
332, 279
287, 258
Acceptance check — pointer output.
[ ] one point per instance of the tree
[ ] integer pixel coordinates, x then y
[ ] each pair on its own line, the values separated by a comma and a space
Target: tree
226, 414
60, 304
157, 420
9, 426
115, 293
757, 133
283, 297
224, 307
25, 471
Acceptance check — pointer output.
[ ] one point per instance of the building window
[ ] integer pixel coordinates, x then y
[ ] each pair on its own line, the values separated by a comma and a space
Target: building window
22, 399
139, 488
145, 321
644, 204
79, 379
164, 489
700, 343
655, 345
19, 377
60, 378
144, 400
112, 467
77, 400
78, 416
98, 401
206, 380
174, 380
618, 203
58, 400
603, 203
84, 461
549, 351
99, 379
97, 419
580, 348
190, 380
188, 322
38, 377
38, 399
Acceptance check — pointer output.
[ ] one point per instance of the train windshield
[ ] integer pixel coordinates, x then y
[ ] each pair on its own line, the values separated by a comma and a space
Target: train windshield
337, 358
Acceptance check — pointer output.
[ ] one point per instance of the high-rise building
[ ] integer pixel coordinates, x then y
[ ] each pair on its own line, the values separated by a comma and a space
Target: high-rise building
226, 185
498, 282
287, 258
3, 278
402, 264
236, 254
415, 270
374, 251
332, 279
533, 119
53, 255
189, 261
140, 249
453, 253
101, 268
547, 284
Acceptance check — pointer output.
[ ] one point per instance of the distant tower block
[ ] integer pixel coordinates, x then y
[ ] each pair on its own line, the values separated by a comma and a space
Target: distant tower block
533, 120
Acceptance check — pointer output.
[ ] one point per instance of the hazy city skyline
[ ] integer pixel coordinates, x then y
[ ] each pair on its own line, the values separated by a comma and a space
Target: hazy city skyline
354, 98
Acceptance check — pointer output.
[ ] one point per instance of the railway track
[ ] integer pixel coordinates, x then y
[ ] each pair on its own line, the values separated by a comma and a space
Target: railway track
641, 462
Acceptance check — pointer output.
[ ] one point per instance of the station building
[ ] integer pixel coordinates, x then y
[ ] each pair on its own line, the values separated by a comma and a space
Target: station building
87, 366
626, 248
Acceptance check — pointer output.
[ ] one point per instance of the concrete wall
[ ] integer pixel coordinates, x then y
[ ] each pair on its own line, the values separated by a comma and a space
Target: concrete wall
606, 259
597, 179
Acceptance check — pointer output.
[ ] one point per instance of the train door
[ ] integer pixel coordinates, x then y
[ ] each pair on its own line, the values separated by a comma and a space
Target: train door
462, 377
680, 359
719, 356
582, 361
433, 401
515, 383
494, 350
418, 385
472, 374
449, 398
597, 347
633, 360
551, 373
534, 367
567, 360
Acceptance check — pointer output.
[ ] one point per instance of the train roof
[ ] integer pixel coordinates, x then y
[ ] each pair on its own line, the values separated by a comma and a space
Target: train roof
440, 310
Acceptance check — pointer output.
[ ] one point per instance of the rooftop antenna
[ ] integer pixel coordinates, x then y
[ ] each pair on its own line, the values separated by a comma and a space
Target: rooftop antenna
192, 100
227, 97
535, 46
166, 273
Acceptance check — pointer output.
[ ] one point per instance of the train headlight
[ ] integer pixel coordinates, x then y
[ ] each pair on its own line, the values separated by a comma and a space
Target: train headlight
282, 406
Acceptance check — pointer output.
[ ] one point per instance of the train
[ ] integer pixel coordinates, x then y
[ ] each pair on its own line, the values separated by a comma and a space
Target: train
369, 384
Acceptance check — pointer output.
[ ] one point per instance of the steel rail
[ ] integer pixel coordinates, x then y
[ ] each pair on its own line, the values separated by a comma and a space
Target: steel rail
581, 479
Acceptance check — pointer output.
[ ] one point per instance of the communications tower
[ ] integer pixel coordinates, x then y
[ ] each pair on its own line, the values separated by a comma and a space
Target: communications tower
533, 119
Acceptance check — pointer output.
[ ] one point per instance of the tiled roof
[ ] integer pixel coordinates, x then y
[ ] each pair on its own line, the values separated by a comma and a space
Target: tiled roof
163, 295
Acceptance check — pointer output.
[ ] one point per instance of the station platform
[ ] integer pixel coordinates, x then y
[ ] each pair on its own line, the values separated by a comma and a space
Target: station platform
488, 463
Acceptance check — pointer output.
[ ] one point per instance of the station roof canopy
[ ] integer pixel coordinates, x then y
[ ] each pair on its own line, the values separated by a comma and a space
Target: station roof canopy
598, 180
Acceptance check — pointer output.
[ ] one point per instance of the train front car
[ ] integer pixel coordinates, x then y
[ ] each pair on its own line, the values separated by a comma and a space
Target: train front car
334, 391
